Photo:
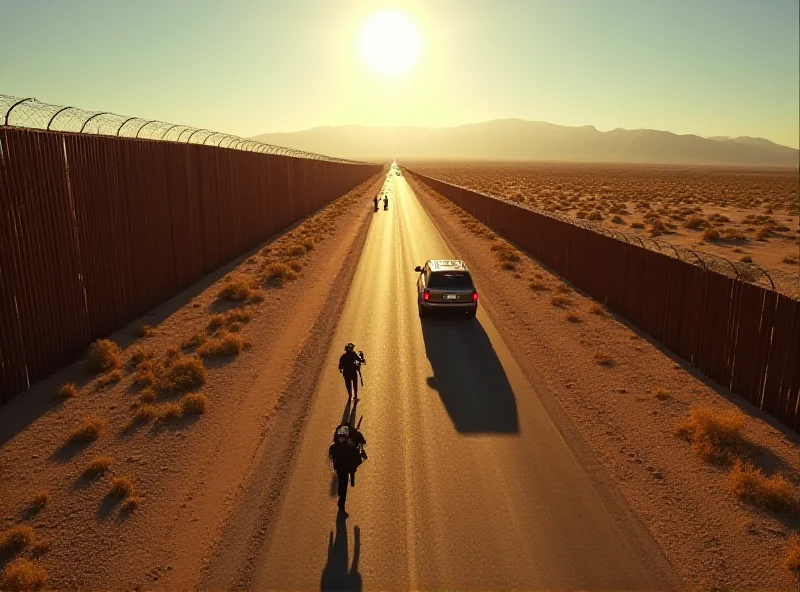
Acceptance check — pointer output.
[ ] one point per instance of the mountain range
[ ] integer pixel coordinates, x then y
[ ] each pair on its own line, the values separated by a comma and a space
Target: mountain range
517, 139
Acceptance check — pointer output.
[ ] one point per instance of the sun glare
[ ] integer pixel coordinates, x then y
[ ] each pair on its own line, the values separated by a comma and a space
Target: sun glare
390, 42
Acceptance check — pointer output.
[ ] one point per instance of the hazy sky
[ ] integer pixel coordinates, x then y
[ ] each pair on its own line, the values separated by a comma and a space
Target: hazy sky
709, 67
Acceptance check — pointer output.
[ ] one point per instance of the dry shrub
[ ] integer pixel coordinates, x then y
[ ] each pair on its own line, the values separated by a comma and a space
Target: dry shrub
98, 466
295, 251
23, 574
145, 331
763, 234
752, 486
170, 412
563, 289
146, 413
597, 309
746, 259
560, 301
617, 220
217, 321
594, 216
296, 266
235, 291
40, 500
711, 234
603, 359
716, 435
110, 378
16, 538
145, 374
194, 341
121, 487
277, 274
637, 225
572, 317
147, 396
308, 244
224, 344
184, 374
90, 430
194, 404
791, 559
103, 355
140, 354
790, 260
539, 286
237, 316
68, 390
508, 266
695, 223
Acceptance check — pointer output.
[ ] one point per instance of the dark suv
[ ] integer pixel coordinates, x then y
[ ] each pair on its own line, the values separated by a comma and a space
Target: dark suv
445, 285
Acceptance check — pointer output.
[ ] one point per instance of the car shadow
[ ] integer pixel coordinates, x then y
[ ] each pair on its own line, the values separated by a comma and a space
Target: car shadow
338, 573
469, 377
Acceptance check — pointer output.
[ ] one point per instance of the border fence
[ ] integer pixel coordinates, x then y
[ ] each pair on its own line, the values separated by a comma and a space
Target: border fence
95, 230
744, 336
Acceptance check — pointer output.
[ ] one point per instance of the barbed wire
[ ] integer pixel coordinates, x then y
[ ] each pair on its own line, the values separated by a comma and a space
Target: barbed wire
782, 282
30, 113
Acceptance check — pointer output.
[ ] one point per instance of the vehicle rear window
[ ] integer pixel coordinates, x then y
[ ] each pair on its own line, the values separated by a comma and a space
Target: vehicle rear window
450, 280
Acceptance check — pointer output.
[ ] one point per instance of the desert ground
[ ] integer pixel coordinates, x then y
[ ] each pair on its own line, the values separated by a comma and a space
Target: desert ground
188, 450
748, 215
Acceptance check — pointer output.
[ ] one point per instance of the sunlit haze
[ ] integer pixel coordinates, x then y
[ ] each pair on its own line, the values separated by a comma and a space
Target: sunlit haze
712, 68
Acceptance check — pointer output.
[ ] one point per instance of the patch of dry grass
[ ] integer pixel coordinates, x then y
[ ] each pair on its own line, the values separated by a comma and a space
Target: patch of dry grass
121, 487
90, 430
194, 341
145, 374
277, 274
68, 390
603, 359
236, 291
223, 344
572, 317
169, 412
99, 466
194, 404
111, 378
23, 574
539, 286
560, 301
145, 413
16, 538
103, 355
716, 435
139, 354
183, 374
791, 558
752, 486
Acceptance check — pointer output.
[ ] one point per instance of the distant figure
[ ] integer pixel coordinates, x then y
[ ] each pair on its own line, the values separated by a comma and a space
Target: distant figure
375, 200
385, 202
347, 454
350, 367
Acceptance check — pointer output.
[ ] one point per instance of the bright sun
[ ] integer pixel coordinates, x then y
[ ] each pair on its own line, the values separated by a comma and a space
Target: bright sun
390, 42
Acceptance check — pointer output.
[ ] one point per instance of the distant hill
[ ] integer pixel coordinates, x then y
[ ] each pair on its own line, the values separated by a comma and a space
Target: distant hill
517, 139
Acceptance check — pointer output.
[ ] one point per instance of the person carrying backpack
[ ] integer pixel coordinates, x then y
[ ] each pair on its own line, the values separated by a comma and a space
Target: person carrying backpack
347, 454
350, 364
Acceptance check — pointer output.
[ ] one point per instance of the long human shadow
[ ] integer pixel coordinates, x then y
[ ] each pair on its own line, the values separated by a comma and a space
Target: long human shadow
338, 573
469, 377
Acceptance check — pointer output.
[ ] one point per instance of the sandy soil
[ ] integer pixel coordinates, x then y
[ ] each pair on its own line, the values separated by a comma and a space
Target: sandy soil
622, 197
713, 540
187, 474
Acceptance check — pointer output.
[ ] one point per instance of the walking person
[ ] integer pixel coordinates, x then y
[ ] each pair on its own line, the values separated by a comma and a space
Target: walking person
350, 364
346, 456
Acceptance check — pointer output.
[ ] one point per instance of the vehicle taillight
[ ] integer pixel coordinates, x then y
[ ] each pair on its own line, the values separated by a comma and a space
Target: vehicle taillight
474, 296
426, 295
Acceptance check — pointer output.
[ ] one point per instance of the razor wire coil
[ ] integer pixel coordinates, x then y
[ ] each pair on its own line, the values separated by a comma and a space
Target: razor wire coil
33, 114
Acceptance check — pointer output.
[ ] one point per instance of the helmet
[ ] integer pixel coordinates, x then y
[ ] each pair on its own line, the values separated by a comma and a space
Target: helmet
342, 432
349, 347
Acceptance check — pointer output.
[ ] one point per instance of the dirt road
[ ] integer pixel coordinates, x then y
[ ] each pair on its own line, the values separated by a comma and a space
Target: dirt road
468, 485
